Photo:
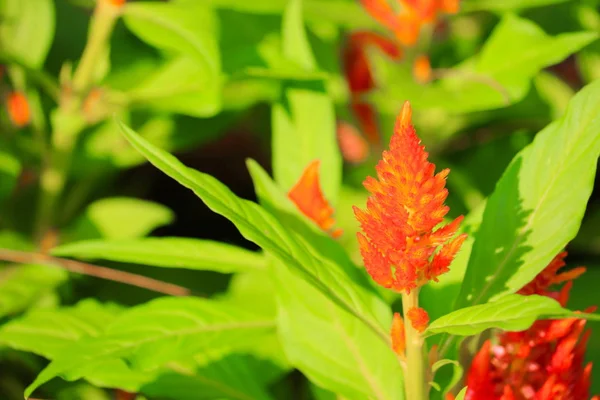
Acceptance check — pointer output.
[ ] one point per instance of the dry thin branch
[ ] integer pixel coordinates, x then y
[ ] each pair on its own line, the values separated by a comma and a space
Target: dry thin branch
110, 274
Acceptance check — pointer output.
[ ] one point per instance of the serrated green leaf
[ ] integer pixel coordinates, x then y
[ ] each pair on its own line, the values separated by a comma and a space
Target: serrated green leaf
119, 218
181, 85
186, 29
319, 338
512, 312
304, 130
168, 252
27, 30
538, 204
148, 336
23, 285
262, 228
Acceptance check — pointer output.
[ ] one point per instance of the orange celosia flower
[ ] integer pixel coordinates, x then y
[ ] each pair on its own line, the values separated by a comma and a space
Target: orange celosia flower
406, 24
18, 108
419, 319
400, 248
422, 69
310, 200
354, 148
544, 362
398, 335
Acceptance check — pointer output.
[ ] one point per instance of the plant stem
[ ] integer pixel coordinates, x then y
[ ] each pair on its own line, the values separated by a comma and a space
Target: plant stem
68, 120
96, 271
414, 381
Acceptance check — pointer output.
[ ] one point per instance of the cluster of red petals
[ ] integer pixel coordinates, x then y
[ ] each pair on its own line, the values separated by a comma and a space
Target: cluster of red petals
398, 335
418, 317
544, 362
407, 22
400, 248
310, 200
18, 108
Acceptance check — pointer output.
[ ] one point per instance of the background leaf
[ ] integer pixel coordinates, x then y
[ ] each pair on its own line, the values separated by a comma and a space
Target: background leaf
120, 218
23, 285
169, 252
27, 30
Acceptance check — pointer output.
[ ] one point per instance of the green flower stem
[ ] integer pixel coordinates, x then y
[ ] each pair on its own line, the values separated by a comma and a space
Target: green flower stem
68, 120
414, 380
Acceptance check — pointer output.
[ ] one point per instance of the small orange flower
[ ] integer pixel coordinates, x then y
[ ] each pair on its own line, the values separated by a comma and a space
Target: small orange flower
308, 197
18, 109
400, 248
422, 69
354, 147
419, 319
117, 3
398, 335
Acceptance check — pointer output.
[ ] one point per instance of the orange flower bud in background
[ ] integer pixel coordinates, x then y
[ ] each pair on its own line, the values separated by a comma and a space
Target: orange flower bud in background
117, 3
400, 248
398, 335
422, 69
310, 200
18, 109
353, 146
419, 319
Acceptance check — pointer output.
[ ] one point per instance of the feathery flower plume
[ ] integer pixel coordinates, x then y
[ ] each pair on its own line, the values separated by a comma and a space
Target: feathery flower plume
400, 248
310, 200
544, 362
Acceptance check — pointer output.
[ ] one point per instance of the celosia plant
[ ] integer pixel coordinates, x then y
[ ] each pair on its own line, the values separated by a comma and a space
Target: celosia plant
340, 265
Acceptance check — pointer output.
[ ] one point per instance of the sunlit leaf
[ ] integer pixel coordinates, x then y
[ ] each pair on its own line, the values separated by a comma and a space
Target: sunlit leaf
169, 252
512, 312
148, 336
261, 227
538, 203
